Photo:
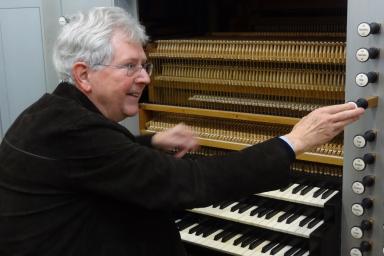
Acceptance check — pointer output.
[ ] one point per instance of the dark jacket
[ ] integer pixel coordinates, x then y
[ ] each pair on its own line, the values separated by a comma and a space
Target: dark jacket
75, 183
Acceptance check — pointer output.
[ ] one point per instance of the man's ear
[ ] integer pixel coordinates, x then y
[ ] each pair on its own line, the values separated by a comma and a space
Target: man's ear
80, 73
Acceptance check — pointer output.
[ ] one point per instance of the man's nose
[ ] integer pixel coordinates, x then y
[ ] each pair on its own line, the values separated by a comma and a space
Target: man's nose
143, 77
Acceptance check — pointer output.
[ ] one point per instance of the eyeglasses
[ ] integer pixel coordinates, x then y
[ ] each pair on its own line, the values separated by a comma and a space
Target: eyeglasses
132, 68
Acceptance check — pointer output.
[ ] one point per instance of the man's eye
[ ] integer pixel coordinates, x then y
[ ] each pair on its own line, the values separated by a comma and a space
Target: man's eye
130, 66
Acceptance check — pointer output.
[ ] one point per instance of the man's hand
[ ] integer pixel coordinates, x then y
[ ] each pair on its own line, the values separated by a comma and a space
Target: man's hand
180, 137
322, 125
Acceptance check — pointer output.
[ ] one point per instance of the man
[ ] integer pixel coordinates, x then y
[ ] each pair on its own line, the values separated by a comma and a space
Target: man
75, 182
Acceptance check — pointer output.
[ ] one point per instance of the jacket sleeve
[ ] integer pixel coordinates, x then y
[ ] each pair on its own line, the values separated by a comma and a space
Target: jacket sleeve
145, 140
117, 167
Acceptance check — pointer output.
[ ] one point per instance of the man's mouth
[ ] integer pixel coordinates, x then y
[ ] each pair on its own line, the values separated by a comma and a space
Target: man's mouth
134, 94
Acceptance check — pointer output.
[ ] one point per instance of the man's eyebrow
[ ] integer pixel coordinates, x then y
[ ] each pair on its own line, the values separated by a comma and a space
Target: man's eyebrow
135, 60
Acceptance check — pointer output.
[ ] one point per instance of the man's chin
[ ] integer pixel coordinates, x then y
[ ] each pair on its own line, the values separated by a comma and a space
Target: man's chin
131, 112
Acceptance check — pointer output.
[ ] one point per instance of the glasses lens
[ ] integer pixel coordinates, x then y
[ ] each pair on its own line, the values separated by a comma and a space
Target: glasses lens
148, 68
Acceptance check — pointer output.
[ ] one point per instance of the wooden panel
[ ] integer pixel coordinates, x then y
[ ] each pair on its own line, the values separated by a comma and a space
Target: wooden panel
221, 114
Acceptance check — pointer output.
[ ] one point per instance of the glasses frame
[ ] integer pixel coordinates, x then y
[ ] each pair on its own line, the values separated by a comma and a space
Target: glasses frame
132, 69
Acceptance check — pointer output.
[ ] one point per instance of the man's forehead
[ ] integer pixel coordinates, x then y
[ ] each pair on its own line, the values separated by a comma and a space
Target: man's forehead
125, 50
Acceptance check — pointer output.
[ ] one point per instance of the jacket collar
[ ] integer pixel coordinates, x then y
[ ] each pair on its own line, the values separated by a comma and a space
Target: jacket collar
69, 91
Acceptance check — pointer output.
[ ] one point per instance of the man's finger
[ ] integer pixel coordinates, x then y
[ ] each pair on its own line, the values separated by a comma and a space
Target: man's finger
181, 153
348, 114
341, 123
339, 108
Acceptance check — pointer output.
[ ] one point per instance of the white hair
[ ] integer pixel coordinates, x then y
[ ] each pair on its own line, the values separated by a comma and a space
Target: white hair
87, 37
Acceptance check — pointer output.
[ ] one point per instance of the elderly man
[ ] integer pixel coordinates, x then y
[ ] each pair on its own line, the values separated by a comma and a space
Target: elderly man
75, 182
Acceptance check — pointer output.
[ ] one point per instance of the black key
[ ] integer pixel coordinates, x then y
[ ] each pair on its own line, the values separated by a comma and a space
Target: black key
278, 248
185, 225
310, 211
260, 238
288, 212
221, 234
285, 188
264, 212
300, 252
319, 191
327, 193
284, 216
245, 207
249, 240
236, 207
306, 190
304, 221
207, 226
241, 238
258, 210
186, 222
215, 205
210, 231
271, 214
274, 241
256, 243
291, 251
291, 212
309, 215
260, 206
226, 204
295, 242
203, 229
194, 229
313, 222
242, 203
298, 188
295, 247
254, 211
223, 203
269, 246
228, 236
292, 218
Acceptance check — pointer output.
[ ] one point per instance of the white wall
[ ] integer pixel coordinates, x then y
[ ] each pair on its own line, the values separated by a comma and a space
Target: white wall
22, 58
28, 29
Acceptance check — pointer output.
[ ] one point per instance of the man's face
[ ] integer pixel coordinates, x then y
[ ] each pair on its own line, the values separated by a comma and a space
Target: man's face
115, 93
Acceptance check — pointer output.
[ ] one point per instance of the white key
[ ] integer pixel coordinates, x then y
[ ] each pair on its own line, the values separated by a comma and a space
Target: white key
263, 221
273, 193
255, 220
304, 254
184, 234
284, 250
294, 226
229, 247
273, 221
323, 201
307, 231
304, 230
245, 216
257, 251
209, 210
309, 199
277, 193
303, 198
288, 193
209, 241
268, 253
317, 200
226, 212
282, 226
